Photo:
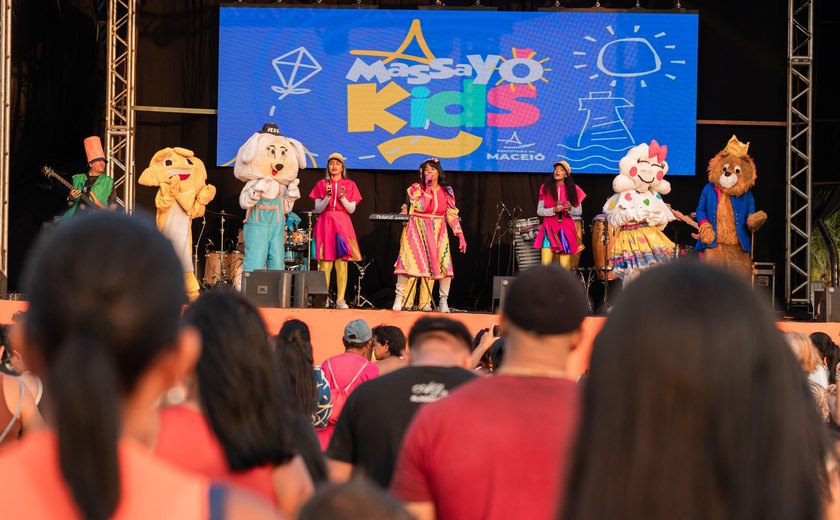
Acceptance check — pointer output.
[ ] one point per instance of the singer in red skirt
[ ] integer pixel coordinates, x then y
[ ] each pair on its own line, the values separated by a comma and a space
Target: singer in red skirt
560, 199
335, 199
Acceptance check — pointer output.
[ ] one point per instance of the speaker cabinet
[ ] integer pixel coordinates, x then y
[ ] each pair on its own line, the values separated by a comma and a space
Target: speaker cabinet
501, 284
310, 289
268, 288
286, 289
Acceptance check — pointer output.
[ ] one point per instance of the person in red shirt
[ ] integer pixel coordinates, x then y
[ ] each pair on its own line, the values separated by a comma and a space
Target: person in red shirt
450, 467
102, 331
236, 425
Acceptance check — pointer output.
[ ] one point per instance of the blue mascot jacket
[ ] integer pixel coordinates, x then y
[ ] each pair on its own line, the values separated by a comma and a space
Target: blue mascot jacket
743, 206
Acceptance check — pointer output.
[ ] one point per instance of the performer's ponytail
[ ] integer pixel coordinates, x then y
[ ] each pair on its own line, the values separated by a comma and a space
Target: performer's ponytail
106, 293
85, 398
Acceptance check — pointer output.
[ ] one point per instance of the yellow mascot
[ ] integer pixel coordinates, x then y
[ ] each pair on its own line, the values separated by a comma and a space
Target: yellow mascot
183, 194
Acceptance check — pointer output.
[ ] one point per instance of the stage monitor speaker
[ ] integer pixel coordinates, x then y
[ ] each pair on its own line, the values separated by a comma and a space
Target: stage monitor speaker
832, 304
310, 289
268, 288
764, 278
501, 284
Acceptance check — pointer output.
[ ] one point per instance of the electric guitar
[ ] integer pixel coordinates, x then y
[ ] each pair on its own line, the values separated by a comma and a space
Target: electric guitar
51, 174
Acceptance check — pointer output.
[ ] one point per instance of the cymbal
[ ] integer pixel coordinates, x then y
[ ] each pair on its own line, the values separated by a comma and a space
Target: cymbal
307, 212
221, 213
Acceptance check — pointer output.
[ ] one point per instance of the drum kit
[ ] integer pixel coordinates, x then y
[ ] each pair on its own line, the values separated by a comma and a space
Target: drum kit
223, 267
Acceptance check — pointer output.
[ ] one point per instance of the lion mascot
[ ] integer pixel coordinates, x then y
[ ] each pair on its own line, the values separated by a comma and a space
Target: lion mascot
726, 211
638, 212
183, 194
268, 163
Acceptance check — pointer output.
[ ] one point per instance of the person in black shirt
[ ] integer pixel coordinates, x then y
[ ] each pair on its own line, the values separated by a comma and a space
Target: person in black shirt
370, 429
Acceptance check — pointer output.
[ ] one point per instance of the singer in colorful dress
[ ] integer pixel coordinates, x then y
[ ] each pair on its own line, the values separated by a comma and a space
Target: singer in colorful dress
560, 201
425, 255
336, 198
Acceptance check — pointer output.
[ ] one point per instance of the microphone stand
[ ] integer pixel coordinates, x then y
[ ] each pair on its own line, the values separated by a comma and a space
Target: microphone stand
605, 239
197, 242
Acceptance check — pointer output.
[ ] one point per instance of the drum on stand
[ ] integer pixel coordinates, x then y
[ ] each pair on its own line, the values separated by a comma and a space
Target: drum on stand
297, 242
214, 274
580, 247
600, 249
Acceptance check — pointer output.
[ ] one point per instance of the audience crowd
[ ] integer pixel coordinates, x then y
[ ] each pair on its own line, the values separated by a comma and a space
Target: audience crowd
117, 401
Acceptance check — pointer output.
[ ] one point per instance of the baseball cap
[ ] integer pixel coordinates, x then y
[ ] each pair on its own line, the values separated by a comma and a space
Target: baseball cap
337, 156
357, 331
565, 165
545, 300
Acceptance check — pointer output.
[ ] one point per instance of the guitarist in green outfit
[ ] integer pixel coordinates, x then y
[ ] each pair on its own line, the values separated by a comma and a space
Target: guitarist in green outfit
91, 190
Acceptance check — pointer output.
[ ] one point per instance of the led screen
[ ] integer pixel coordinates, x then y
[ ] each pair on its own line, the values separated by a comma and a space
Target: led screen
483, 91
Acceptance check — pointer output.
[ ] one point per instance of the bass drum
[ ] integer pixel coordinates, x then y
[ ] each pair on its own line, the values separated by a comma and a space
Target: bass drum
599, 249
213, 268
580, 246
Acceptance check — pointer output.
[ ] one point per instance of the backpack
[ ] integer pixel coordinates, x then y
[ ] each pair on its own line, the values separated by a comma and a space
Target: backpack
339, 395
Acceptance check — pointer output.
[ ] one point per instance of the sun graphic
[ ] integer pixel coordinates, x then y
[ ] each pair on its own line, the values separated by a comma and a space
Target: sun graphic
523, 57
611, 57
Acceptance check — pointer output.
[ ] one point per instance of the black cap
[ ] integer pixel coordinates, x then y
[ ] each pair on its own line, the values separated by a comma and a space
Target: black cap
545, 300
270, 128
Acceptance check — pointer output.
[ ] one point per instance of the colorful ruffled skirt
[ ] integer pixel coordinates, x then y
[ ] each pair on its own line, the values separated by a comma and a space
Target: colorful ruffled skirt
639, 246
424, 248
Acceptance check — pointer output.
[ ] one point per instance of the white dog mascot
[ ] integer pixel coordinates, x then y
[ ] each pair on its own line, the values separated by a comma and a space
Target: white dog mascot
268, 163
639, 213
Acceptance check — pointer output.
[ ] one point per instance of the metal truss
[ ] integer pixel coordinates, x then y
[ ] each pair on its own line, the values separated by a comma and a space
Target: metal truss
5, 132
119, 101
799, 136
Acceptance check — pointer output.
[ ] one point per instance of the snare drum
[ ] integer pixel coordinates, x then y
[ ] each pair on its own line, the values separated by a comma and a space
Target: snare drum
600, 250
579, 234
213, 267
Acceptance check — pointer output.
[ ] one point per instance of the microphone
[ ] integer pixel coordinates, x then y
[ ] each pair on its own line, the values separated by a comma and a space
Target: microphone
500, 206
428, 180
329, 186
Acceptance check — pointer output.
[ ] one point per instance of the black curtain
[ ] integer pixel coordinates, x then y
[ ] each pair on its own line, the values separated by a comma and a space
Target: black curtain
742, 76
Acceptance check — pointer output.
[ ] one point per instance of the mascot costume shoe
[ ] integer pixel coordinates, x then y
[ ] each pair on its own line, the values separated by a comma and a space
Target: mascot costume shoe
268, 163
183, 194
639, 213
726, 211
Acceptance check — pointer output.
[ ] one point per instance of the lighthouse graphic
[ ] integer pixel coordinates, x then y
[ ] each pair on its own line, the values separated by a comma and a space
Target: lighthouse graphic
604, 124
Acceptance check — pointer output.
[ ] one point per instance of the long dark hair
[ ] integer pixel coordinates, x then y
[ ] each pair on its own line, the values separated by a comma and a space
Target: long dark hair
829, 351
436, 165
246, 406
550, 187
293, 355
106, 294
697, 412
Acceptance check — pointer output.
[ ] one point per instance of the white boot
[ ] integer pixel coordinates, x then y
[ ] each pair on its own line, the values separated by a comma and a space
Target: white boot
402, 280
443, 294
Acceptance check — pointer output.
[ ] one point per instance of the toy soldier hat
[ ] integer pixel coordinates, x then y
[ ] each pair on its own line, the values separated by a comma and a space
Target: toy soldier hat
93, 149
270, 128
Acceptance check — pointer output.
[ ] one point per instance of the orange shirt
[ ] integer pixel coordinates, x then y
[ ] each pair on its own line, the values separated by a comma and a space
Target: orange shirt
186, 440
32, 487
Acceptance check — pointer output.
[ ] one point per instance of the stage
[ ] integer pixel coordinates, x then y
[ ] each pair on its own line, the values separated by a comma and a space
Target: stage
327, 326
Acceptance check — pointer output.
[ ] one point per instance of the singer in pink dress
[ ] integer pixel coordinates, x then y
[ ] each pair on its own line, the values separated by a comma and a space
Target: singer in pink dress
560, 200
424, 247
335, 199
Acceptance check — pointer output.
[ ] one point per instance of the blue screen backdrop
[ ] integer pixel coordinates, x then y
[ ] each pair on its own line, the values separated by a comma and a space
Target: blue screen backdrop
483, 91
